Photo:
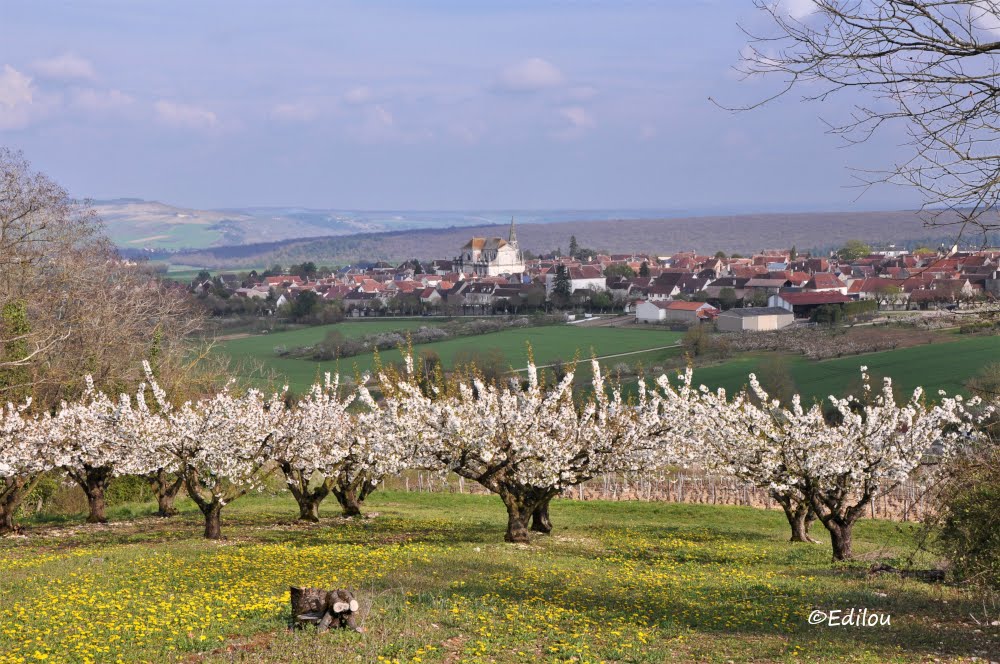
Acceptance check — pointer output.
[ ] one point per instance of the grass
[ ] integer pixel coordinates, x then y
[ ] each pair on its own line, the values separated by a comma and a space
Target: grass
616, 582
549, 343
939, 366
164, 235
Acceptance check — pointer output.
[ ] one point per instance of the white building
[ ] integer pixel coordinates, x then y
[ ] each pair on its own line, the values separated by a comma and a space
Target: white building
490, 257
754, 319
585, 277
680, 311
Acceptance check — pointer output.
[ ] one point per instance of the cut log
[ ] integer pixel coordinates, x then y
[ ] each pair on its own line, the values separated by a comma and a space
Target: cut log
325, 609
925, 575
310, 617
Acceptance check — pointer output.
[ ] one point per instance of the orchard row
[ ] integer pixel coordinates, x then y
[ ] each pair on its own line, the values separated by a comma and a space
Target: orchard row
526, 442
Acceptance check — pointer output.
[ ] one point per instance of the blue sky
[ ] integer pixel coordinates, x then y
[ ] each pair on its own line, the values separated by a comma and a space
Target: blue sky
447, 104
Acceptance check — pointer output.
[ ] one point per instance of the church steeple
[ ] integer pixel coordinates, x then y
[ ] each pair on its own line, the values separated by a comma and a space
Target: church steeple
512, 239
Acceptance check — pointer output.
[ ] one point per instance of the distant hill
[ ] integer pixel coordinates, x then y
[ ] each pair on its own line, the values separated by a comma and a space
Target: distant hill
742, 233
137, 224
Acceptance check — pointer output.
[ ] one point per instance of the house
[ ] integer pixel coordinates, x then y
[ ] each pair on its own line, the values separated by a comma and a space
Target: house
658, 311
587, 277
825, 282
651, 311
251, 293
766, 284
665, 286
737, 284
430, 296
802, 304
754, 319
479, 294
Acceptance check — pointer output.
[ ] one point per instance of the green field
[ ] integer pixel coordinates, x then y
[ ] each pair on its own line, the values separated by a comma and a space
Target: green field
615, 582
550, 343
940, 366
163, 235
945, 365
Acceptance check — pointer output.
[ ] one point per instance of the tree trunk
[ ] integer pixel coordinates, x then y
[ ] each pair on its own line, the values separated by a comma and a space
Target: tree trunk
97, 505
94, 481
349, 501
166, 491
165, 504
540, 522
12, 493
7, 518
799, 523
213, 520
307, 499
518, 514
799, 515
840, 539
309, 508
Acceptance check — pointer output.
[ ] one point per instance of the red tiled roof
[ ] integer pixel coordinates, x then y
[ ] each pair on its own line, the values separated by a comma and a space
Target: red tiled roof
820, 297
681, 305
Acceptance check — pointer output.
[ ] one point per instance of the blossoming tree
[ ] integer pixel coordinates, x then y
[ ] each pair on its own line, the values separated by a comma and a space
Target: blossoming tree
223, 443
875, 446
23, 459
310, 444
754, 439
383, 439
524, 443
87, 440
147, 428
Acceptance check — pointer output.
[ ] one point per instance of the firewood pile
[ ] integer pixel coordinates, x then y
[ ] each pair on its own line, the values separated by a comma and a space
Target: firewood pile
324, 608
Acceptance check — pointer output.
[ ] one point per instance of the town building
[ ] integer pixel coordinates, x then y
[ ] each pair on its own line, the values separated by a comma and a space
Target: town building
754, 319
491, 257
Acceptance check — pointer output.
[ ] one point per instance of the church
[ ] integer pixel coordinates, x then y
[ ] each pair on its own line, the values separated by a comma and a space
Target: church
489, 257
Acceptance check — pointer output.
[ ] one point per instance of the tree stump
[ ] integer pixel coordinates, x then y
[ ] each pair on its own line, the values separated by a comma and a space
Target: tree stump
324, 608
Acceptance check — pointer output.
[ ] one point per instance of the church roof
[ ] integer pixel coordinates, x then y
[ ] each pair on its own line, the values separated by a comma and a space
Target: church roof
481, 243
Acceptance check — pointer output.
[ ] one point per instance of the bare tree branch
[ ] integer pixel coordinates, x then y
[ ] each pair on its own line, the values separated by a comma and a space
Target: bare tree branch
931, 65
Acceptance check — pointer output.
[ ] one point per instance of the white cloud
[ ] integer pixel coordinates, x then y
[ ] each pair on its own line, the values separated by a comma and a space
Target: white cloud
381, 116
184, 116
358, 95
66, 67
97, 101
530, 75
985, 17
578, 120
16, 97
578, 117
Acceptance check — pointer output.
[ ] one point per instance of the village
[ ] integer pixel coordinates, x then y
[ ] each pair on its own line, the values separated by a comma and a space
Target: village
765, 291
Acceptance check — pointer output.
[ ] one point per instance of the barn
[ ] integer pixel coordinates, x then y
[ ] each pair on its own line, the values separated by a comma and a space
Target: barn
754, 319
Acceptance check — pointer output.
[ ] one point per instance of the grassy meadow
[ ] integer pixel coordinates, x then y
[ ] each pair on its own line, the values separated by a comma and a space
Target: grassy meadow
939, 366
615, 582
548, 343
946, 364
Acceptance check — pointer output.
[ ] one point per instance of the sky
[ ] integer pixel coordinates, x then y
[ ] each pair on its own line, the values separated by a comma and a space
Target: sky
419, 104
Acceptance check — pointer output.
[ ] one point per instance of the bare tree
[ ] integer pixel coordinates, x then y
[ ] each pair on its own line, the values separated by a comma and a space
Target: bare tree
931, 65
69, 304
38, 222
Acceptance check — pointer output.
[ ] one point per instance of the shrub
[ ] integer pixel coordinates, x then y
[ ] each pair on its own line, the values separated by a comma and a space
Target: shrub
128, 489
969, 518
